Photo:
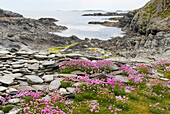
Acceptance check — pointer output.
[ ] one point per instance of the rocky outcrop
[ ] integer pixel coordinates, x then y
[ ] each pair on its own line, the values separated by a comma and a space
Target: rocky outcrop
150, 19
48, 19
19, 32
4, 13
105, 14
106, 23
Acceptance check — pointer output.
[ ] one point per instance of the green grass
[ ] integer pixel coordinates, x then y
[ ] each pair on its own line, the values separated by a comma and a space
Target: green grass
6, 109
65, 84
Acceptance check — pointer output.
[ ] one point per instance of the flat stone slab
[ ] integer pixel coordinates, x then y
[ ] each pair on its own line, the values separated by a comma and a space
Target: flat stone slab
15, 66
48, 63
122, 78
48, 78
41, 56
34, 79
14, 101
12, 91
68, 75
54, 85
77, 72
3, 88
97, 75
40, 87
7, 80
25, 88
33, 67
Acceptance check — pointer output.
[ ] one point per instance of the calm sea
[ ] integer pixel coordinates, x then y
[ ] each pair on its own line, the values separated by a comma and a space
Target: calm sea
78, 24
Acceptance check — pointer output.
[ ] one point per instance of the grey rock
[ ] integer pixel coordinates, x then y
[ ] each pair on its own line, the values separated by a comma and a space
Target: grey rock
7, 80
25, 88
70, 89
127, 91
164, 79
77, 72
33, 67
4, 52
32, 61
34, 79
41, 56
47, 98
17, 66
3, 88
14, 111
63, 91
12, 91
68, 75
122, 78
48, 78
1, 112
54, 85
98, 75
23, 83
48, 63
40, 87
14, 101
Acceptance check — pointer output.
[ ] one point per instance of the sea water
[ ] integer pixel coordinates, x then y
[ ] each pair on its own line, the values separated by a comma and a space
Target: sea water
78, 24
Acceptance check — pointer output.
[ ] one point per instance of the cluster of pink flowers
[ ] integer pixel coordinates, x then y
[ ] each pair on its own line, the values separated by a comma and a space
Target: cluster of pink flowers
113, 109
122, 99
88, 66
143, 68
156, 106
94, 107
163, 64
128, 70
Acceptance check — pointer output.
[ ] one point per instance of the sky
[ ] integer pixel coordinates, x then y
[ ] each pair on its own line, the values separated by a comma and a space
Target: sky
52, 5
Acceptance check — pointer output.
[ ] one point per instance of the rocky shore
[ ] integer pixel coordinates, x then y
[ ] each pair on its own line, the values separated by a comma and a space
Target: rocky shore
31, 58
106, 14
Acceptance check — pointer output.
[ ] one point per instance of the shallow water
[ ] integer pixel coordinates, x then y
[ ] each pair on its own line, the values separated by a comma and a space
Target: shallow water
78, 24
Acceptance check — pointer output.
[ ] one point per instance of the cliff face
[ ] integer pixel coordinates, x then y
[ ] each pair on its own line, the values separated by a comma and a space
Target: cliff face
152, 18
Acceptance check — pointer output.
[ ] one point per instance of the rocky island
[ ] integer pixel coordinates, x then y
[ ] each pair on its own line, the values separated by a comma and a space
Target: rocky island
43, 73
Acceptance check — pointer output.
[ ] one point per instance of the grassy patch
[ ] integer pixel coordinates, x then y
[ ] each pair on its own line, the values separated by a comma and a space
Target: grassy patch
6, 109
65, 84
